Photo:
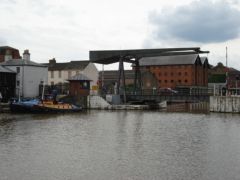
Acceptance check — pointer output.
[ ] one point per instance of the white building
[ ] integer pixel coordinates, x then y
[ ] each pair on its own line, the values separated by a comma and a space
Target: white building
58, 73
29, 74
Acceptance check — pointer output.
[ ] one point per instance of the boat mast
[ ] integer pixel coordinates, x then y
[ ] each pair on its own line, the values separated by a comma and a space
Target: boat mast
43, 90
226, 71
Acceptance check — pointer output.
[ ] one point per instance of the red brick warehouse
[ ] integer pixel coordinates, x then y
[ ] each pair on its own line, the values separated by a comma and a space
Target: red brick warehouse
175, 71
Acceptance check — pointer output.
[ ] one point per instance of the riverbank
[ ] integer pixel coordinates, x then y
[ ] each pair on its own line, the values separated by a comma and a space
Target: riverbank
225, 104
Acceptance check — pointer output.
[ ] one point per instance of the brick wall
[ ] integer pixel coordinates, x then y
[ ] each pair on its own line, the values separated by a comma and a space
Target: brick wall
14, 52
179, 75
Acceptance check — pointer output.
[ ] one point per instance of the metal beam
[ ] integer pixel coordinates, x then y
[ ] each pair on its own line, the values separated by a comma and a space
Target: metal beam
113, 56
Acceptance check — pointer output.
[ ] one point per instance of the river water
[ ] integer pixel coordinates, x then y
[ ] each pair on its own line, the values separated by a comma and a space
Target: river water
120, 145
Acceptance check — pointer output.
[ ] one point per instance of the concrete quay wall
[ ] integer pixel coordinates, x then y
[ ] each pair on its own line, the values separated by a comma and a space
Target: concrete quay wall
225, 104
97, 102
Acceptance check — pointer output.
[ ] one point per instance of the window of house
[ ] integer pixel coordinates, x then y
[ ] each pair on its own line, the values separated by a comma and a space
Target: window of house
59, 74
18, 83
18, 69
52, 74
69, 74
52, 83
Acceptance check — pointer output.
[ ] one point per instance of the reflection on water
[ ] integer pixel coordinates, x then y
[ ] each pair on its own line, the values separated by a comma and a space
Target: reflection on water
201, 107
120, 145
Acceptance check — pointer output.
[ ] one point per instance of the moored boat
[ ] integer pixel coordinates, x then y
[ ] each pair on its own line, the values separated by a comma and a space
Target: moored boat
41, 106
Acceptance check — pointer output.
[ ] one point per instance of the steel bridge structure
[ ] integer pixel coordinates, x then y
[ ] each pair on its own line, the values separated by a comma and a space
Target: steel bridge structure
133, 56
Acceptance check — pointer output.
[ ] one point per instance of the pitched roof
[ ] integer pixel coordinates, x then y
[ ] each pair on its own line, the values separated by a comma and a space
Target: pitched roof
6, 70
79, 77
203, 59
79, 65
169, 60
113, 74
7, 47
21, 62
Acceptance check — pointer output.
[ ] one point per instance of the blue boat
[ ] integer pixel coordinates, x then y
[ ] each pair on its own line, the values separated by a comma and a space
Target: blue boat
41, 106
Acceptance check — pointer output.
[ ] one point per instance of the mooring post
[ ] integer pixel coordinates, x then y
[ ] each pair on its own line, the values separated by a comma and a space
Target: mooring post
121, 80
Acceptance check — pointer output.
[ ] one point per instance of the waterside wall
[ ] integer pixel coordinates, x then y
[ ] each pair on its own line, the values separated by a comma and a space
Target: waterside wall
225, 104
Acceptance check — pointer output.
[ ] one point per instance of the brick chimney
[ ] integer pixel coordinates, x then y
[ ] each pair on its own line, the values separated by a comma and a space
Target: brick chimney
8, 55
26, 55
52, 61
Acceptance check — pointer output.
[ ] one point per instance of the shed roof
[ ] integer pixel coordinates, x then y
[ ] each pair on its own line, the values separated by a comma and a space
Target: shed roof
21, 62
6, 70
169, 60
79, 77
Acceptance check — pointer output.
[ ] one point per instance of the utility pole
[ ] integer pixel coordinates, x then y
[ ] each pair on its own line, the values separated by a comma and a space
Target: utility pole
226, 71
226, 57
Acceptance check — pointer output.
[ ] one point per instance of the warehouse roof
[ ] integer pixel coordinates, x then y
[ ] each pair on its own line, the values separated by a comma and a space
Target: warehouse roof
169, 60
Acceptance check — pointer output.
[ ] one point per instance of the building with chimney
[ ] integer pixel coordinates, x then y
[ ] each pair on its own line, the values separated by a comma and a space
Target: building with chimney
59, 73
29, 74
7, 52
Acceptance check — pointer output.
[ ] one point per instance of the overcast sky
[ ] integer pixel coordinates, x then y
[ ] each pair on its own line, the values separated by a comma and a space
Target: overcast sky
67, 30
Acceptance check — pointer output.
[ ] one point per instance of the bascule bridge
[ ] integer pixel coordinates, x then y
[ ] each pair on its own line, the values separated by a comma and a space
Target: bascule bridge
133, 56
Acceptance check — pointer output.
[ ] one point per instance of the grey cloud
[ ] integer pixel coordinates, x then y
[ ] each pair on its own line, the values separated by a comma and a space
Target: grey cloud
200, 21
